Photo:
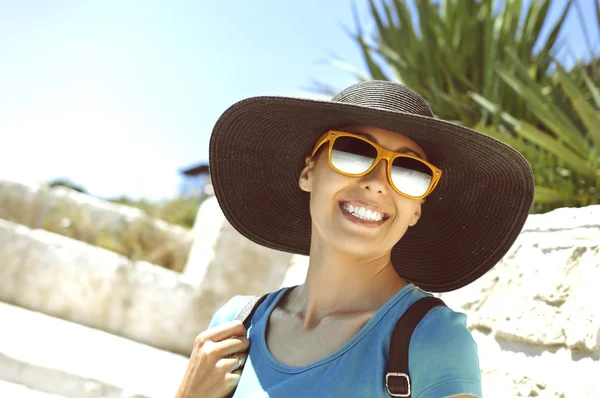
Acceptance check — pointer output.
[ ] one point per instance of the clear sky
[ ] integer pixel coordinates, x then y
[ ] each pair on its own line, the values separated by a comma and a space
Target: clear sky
118, 96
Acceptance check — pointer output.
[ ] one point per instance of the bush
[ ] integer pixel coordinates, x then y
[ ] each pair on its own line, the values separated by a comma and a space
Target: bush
179, 211
140, 240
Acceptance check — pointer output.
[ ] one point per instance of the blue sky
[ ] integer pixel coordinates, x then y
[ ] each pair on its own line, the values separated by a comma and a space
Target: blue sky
118, 96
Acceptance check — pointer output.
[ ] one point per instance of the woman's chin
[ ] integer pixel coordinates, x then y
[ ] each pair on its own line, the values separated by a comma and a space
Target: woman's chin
359, 246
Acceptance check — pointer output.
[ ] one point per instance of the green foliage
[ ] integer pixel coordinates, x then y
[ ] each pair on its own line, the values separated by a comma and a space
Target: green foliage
562, 140
142, 239
452, 47
491, 69
139, 240
179, 211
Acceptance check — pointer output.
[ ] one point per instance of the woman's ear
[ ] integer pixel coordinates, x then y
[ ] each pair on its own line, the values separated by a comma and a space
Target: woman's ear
305, 181
417, 215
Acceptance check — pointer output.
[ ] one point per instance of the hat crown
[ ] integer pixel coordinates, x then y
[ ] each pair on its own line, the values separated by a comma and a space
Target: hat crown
385, 95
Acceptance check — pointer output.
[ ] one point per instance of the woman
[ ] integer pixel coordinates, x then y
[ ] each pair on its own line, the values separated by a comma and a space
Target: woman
390, 204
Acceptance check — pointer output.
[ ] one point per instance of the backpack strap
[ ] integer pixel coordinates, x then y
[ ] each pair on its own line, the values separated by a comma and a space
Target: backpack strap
246, 313
397, 379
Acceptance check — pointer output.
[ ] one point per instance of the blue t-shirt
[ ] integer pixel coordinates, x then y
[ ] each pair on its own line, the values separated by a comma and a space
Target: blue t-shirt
443, 359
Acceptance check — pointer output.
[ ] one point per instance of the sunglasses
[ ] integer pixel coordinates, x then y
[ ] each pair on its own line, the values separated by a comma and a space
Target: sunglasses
355, 156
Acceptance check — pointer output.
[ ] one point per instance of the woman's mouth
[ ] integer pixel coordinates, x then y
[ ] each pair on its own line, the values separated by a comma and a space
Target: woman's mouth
361, 215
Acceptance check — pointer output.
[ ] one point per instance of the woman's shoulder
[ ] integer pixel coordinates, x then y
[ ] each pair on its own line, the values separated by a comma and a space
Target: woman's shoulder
440, 319
230, 310
443, 329
443, 319
443, 354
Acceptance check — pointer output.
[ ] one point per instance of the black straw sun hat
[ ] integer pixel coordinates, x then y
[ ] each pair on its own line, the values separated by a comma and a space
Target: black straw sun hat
469, 222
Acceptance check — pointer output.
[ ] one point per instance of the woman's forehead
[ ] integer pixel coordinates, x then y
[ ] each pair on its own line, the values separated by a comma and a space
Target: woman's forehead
391, 140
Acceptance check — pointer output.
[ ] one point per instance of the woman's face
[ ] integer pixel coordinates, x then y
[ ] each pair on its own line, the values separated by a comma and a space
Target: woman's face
332, 194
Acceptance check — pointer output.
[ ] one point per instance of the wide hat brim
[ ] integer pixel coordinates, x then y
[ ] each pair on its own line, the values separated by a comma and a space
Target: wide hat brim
469, 222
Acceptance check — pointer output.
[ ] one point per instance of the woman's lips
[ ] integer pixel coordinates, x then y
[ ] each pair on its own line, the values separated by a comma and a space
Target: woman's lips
360, 221
366, 205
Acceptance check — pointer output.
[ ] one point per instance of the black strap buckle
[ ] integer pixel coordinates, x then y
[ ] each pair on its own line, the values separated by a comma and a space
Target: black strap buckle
405, 388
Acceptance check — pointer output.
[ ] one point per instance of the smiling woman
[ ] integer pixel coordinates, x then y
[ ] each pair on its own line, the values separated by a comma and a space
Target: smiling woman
346, 181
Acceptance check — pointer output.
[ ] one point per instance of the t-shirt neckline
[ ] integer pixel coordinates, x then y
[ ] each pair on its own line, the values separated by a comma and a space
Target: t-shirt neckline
275, 364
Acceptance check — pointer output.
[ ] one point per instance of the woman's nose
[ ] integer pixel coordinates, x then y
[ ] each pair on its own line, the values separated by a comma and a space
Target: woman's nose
377, 179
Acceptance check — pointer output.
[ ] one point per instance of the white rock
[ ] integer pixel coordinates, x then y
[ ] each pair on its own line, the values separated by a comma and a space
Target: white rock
58, 357
75, 281
535, 315
225, 262
40, 206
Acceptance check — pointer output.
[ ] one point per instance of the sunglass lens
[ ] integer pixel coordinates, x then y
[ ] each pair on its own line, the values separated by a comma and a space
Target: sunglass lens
352, 156
411, 176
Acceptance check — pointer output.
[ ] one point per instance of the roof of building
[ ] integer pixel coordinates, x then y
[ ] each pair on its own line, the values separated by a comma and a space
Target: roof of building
201, 168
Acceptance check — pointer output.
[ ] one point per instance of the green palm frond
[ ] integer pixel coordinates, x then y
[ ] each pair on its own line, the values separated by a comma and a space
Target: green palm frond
486, 64
562, 143
451, 48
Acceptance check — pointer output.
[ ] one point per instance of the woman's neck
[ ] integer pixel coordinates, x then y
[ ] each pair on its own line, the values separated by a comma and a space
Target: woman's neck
341, 286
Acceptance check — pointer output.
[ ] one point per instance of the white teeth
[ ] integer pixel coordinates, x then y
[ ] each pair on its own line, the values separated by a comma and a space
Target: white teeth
363, 213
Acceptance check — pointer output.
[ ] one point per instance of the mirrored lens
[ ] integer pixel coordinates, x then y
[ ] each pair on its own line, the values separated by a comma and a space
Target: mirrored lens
411, 176
352, 156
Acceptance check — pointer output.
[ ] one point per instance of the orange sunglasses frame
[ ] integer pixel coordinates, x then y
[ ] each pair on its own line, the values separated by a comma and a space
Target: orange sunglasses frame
382, 153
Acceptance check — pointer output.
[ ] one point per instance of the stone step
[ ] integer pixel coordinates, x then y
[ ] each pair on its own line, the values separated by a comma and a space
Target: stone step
13, 390
53, 356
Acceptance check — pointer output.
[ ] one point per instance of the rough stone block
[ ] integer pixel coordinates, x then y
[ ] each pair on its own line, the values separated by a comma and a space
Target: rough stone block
225, 262
75, 281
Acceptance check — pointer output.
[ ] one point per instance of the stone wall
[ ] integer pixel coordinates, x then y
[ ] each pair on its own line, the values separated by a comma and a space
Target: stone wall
226, 261
89, 219
535, 316
75, 281
46, 357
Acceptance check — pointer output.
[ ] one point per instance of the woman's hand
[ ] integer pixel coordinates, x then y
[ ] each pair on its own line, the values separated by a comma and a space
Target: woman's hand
211, 372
